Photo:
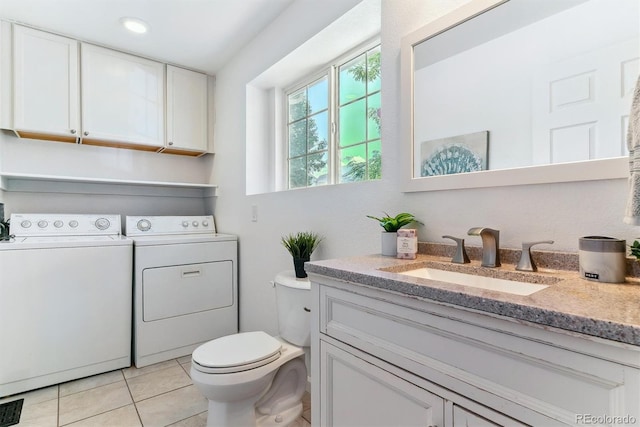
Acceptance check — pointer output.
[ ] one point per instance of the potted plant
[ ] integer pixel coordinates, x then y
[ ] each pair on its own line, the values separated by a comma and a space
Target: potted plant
4, 230
635, 249
301, 245
391, 225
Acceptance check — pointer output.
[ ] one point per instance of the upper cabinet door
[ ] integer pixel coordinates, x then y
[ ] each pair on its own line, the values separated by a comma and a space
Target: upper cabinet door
186, 110
122, 99
46, 85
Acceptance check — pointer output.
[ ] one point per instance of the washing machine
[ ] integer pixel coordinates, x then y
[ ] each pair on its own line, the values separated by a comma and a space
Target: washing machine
185, 285
65, 299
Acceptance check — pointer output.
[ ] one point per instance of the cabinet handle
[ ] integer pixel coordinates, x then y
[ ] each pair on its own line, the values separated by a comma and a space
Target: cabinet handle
170, 143
86, 133
73, 131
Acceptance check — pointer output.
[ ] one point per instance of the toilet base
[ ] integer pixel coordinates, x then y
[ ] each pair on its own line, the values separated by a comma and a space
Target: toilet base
283, 419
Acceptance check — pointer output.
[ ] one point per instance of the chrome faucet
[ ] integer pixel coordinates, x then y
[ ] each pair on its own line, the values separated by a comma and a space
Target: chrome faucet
490, 245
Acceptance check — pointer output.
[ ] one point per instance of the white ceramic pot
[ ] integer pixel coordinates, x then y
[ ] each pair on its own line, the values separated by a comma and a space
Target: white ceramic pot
389, 243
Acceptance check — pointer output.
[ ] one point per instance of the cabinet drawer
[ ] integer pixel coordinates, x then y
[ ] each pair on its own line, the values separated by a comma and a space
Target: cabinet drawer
478, 362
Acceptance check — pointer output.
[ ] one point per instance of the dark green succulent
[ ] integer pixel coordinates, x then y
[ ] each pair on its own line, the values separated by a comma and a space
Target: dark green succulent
4, 230
392, 224
635, 249
302, 244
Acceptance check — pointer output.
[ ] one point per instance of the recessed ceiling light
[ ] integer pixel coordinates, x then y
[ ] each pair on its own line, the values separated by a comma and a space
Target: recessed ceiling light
135, 25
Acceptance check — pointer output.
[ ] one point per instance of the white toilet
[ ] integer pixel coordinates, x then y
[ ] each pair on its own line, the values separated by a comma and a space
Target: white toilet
252, 378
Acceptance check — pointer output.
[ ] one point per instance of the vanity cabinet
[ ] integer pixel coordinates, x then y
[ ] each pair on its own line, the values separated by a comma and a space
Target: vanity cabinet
448, 366
122, 99
362, 393
46, 103
186, 111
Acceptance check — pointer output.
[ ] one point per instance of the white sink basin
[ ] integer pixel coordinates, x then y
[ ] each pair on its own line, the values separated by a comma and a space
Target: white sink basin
474, 281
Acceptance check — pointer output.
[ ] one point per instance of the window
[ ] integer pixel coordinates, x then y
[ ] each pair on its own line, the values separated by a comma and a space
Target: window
333, 124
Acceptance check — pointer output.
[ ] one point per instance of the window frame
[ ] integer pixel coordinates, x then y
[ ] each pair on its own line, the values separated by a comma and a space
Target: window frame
331, 71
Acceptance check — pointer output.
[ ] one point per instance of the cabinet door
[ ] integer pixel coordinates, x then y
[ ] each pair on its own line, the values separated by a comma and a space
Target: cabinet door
186, 110
462, 417
122, 99
46, 85
358, 393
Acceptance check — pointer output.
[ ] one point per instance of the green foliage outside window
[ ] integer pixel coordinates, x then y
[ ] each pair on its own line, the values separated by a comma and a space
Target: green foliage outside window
308, 126
361, 155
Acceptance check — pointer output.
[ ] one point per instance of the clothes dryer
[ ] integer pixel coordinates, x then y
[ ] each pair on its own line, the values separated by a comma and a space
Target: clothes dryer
185, 285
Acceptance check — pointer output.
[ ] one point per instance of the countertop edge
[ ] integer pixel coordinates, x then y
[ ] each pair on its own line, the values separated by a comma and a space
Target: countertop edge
614, 331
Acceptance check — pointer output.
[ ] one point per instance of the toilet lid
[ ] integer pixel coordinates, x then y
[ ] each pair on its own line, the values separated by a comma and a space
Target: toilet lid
237, 350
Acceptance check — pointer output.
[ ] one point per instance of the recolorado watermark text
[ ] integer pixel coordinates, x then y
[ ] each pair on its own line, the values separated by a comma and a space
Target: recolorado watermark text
588, 419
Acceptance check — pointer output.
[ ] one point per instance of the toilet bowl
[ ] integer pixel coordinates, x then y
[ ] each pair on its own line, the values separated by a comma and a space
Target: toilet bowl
252, 378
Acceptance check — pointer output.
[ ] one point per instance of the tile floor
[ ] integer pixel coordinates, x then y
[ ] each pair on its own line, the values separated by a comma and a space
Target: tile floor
156, 395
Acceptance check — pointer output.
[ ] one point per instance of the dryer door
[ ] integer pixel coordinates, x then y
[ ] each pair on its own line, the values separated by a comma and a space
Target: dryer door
185, 289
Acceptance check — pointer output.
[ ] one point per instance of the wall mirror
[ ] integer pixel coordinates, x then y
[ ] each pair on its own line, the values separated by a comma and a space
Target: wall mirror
519, 92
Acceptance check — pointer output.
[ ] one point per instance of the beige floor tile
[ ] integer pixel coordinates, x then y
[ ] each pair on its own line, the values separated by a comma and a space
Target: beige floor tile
306, 401
307, 414
92, 402
35, 396
184, 359
90, 382
133, 372
199, 420
171, 407
187, 367
40, 414
127, 416
300, 422
158, 382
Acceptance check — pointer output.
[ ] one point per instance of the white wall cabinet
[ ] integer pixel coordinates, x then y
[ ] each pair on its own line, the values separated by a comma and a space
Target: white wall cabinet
187, 111
122, 99
487, 370
63, 90
46, 103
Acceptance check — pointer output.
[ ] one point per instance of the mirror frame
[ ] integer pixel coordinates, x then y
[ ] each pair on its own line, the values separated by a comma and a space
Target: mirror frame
598, 169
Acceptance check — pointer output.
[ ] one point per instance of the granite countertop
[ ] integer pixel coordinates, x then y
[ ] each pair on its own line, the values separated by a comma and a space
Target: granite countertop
604, 310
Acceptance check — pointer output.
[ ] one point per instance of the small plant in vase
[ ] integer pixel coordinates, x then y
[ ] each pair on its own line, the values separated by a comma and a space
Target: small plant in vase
4, 230
301, 245
391, 225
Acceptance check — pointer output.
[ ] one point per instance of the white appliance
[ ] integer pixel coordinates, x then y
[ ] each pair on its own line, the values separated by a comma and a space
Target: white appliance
65, 299
253, 379
185, 285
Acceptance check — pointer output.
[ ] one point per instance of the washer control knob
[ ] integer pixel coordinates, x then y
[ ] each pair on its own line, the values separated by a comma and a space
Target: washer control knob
195, 223
185, 224
58, 224
205, 223
144, 225
102, 223
42, 223
73, 223
25, 224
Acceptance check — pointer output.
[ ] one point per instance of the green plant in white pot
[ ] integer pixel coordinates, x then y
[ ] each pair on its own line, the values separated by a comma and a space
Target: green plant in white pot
301, 245
391, 225
4, 230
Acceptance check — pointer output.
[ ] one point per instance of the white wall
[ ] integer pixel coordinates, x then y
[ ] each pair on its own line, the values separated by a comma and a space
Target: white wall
562, 212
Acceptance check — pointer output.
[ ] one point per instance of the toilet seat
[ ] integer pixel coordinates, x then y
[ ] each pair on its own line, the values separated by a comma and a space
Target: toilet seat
235, 353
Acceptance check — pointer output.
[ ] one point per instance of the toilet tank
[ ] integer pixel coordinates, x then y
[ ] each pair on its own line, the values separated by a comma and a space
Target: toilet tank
293, 299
